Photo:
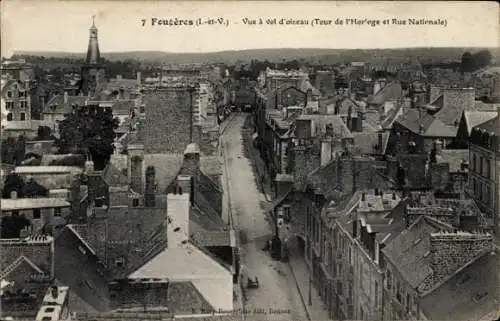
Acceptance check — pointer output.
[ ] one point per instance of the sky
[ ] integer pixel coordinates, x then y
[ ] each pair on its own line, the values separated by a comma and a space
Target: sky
52, 25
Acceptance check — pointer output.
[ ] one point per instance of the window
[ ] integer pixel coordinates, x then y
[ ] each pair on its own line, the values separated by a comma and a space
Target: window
119, 262
389, 280
9, 105
22, 104
481, 165
23, 116
135, 202
9, 94
9, 116
488, 168
474, 162
57, 211
37, 214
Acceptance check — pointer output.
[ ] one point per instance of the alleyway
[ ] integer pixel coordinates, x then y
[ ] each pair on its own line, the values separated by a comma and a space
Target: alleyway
277, 298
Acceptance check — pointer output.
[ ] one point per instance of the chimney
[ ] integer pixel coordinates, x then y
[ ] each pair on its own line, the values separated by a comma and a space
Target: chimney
54, 291
139, 78
438, 147
66, 97
150, 194
13, 195
185, 182
178, 210
191, 160
326, 152
451, 251
118, 77
346, 171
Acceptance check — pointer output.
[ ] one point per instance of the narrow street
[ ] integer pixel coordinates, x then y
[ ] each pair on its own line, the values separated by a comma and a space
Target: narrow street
277, 297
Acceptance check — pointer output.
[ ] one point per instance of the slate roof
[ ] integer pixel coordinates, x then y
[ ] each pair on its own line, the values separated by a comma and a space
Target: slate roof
167, 166
364, 143
490, 126
391, 90
37, 252
210, 165
323, 179
431, 126
184, 298
320, 121
57, 105
130, 231
410, 251
168, 121
469, 295
475, 118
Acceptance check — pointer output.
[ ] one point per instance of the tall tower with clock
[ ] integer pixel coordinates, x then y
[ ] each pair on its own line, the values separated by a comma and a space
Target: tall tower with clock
92, 71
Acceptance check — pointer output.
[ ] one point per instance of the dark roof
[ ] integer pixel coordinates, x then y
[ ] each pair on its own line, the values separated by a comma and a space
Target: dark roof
410, 251
210, 165
167, 167
184, 298
130, 233
470, 294
36, 251
77, 267
57, 105
391, 90
455, 102
168, 121
475, 118
324, 179
423, 123
490, 126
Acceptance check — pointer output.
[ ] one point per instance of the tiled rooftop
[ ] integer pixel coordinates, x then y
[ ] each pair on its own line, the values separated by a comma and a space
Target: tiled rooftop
57, 105
471, 294
35, 250
410, 251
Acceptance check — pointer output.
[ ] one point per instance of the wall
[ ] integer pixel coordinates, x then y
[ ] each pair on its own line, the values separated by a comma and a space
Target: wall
217, 291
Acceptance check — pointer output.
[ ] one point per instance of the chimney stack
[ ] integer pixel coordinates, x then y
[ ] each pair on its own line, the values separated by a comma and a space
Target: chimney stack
66, 97
178, 210
13, 195
451, 251
150, 194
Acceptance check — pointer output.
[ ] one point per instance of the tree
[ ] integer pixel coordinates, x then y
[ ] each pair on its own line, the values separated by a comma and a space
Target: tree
13, 150
11, 226
13, 182
44, 133
467, 64
88, 130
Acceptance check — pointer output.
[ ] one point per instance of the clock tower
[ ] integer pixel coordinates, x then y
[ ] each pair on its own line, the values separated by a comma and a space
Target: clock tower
92, 71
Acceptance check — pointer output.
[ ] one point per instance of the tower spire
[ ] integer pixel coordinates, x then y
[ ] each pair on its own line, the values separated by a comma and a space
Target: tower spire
93, 54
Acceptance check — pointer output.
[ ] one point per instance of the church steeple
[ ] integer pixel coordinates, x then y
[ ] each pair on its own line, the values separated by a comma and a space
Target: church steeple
93, 54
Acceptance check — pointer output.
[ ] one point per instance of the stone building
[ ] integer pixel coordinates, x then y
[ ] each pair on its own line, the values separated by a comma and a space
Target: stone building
484, 176
424, 256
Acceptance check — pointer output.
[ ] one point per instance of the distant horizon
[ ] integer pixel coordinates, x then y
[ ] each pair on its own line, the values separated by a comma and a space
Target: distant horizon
63, 26
263, 48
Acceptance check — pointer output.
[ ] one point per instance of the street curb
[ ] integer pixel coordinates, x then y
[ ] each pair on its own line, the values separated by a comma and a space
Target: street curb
300, 291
